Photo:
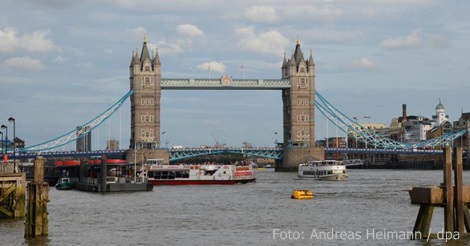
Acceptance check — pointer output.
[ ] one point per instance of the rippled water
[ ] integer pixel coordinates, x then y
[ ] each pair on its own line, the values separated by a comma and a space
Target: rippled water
369, 203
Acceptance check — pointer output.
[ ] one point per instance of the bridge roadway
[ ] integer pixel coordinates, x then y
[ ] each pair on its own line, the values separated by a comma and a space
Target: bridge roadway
183, 153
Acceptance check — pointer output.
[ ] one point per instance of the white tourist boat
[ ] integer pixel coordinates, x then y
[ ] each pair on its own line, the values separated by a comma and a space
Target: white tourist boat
158, 173
326, 169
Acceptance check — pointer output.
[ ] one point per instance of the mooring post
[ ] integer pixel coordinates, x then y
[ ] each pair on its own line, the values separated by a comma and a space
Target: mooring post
37, 223
104, 173
448, 191
458, 181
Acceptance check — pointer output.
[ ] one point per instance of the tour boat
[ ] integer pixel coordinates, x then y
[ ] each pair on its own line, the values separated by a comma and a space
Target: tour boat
326, 169
158, 173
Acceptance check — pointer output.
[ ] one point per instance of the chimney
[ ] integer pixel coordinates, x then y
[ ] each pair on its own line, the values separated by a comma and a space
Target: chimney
403, 112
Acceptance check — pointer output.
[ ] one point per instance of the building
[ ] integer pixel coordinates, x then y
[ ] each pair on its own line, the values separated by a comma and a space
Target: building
84, 140
112, 144
413, 129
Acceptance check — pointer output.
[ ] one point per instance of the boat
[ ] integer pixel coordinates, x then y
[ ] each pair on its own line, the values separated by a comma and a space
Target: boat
158, 173
64, 184
326, 169
302, 194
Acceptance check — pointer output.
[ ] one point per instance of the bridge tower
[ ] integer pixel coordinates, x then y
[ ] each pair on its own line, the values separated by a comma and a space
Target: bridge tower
298, 112
145, 77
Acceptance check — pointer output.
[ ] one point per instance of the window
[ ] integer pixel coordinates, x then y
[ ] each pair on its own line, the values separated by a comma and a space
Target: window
302, 83
303, 134
302, 117
303, 101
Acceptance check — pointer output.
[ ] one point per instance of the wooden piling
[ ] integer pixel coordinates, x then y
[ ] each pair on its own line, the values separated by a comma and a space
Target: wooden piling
449, 207
104, 174
37, 223
458, 191
12, 192
453, 197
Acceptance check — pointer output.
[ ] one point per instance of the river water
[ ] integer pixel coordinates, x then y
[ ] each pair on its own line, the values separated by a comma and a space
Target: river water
371, 208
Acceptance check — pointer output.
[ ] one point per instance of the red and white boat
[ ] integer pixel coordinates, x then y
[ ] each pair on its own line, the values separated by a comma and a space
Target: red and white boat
158, 173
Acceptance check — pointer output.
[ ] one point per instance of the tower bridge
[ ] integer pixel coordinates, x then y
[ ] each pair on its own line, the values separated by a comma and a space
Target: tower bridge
299, 97
297, 87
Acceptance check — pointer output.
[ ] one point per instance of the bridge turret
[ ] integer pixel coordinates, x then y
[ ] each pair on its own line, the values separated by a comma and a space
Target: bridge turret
135, 63
284, 67
311, 64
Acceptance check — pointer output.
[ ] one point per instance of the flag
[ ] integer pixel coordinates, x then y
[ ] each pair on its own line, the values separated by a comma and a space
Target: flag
209, 67
241, 68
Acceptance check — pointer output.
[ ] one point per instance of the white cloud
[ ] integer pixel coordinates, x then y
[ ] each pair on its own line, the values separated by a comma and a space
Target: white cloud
35, 42
23, 63
270, 42
309, 11
411, 41
261, 13
8, 39
363, 63
59, 59
212, 66
189, 30
210, 122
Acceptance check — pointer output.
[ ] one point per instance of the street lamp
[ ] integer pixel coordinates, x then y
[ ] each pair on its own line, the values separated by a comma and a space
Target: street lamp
1, 133
163, 133
6, 138
275, 140
11, 119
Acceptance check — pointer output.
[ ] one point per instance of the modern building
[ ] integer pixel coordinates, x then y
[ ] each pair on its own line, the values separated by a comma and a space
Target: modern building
112, 144
84, 141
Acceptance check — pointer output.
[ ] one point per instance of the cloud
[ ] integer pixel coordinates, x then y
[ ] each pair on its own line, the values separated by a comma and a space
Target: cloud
270, 42
189, 30
363, 63
59, 59
309, 11
23, 63
212, 66
209, 122
34, 42
411, 41
261, 14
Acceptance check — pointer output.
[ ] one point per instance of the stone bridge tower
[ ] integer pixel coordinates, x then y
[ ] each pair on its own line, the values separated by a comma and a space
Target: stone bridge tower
145, 76
298, 112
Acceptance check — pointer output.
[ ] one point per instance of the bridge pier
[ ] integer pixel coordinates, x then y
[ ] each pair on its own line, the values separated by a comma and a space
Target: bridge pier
292, 157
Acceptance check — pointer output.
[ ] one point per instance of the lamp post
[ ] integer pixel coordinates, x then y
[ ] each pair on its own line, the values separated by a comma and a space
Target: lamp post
1, 133
11, 119
6, 138
275, 139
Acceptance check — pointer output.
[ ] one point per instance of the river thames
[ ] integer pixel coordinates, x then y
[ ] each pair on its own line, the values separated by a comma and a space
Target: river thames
371, 208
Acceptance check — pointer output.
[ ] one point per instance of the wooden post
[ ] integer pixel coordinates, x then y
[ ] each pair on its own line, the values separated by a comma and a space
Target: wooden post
37, 223
459, 206
104, 173
423, 221
449, 207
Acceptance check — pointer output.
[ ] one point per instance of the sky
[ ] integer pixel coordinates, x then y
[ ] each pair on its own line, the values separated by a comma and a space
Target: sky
62, 63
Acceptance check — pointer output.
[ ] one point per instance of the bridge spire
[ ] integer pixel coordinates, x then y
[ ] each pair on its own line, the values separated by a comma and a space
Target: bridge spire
145, 52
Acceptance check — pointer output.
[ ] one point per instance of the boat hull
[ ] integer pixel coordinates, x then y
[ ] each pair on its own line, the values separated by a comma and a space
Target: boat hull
334, 177
64, 186
200, 182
